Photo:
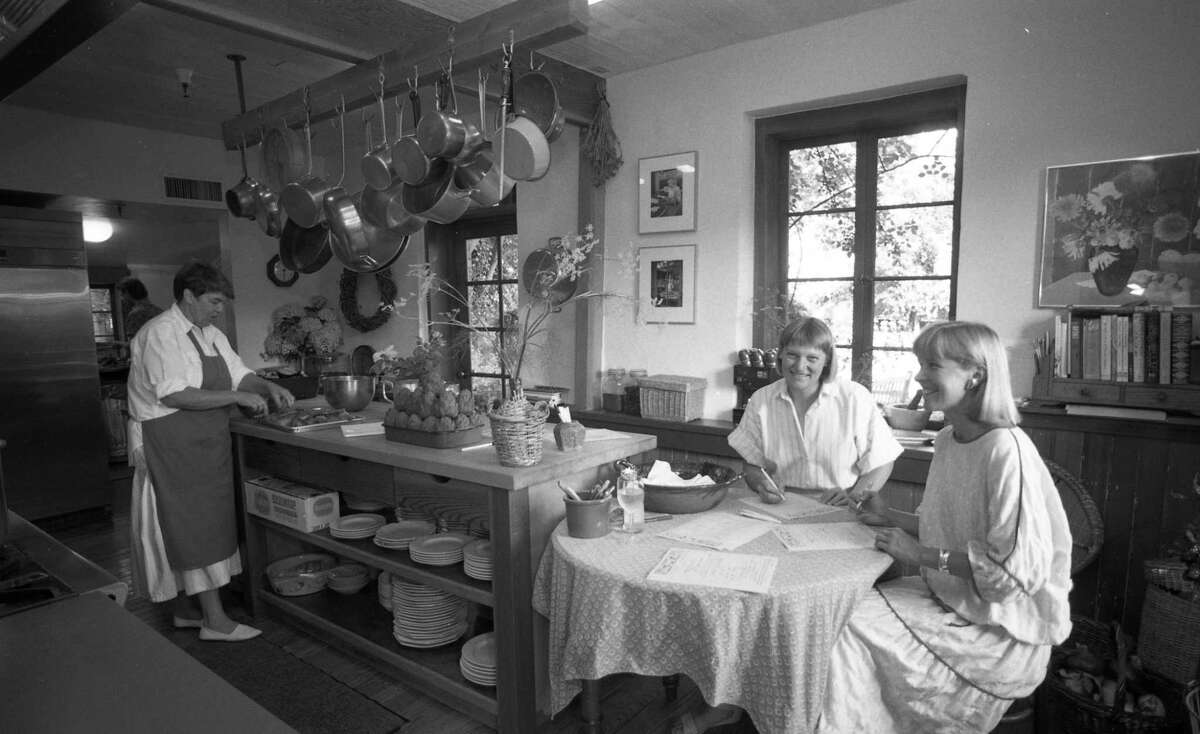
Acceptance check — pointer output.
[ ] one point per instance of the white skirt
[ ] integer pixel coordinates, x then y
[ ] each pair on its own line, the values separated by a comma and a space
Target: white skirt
906, 664
152, 572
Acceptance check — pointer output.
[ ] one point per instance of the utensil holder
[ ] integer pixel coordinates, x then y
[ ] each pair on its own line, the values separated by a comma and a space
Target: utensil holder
587, 518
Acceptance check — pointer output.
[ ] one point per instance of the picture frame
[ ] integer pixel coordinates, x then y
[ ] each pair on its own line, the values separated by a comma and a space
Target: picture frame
667, 284
667, 193
1120, 233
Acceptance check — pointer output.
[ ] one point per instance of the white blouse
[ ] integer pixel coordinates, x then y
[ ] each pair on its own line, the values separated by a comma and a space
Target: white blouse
843, 435
164, 361
994, 499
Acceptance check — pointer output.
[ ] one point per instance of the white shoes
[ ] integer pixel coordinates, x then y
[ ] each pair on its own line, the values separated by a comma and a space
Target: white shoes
241, 633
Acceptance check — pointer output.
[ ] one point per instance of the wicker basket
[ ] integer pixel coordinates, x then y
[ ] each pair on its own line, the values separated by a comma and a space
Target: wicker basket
1169, 639
1168, 574
671, 397
518, 439
1075, 713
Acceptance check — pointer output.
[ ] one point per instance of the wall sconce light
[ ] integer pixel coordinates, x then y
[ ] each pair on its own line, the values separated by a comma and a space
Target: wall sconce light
185, 80
97, 229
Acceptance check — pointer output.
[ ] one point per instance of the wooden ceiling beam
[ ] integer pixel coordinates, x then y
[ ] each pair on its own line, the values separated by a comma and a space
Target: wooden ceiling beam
531, 24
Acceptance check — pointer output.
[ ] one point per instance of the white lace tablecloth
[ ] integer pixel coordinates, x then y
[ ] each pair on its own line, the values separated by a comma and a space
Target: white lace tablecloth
768, 653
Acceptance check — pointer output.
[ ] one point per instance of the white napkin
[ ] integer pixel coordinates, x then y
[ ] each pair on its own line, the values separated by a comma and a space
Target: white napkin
660, 474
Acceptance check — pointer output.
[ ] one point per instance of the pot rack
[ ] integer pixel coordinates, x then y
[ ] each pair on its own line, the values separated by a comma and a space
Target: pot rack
531, 24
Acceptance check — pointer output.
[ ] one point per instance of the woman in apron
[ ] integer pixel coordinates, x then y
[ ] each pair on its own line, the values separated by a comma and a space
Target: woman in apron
183, 380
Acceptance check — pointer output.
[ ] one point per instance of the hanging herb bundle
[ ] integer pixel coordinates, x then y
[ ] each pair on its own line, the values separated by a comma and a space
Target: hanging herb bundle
600, 144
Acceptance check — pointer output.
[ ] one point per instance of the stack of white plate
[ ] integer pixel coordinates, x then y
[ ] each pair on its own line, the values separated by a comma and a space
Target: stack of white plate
478, 659
399, 535
448, 525
443, 549
477, 560
355, 527
361, 504
426, 617
404, 513
348, 578
384, 590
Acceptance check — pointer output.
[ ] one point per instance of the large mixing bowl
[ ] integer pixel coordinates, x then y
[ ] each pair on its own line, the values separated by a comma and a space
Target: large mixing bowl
349, 392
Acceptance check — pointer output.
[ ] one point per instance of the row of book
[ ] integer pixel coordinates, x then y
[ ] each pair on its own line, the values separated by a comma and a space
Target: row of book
1140, 345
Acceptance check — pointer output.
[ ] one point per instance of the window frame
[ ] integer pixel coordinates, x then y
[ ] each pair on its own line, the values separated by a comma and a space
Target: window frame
896, 114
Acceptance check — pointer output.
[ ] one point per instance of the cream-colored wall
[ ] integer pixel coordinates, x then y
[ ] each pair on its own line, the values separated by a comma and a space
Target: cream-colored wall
1047, 83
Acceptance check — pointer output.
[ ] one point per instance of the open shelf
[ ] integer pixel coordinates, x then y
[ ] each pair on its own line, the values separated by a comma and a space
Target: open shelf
359, 621
451, 579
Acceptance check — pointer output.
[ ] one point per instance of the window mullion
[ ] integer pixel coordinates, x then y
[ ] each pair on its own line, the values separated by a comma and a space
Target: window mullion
864, 255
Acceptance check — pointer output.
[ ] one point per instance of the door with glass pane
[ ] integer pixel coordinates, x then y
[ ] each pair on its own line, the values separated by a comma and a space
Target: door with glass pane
488, 269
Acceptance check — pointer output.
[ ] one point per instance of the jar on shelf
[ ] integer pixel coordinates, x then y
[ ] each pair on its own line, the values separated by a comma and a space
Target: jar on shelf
633, 402
612, 393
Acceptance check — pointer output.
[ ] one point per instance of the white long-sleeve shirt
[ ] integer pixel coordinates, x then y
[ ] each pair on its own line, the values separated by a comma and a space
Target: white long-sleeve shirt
843, 435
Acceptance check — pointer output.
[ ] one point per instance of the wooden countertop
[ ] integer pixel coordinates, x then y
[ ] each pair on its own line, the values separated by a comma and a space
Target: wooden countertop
84, 664
77, 572
478, 465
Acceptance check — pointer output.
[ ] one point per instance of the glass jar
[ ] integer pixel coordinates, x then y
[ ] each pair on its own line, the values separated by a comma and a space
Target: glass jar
612, 393
631, 497
633, 402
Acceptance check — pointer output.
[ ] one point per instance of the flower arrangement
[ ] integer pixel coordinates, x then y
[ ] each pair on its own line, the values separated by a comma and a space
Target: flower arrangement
1118, 215
299, 330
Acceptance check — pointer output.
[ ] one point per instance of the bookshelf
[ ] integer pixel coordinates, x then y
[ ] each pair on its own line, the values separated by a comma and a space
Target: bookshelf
1140, 357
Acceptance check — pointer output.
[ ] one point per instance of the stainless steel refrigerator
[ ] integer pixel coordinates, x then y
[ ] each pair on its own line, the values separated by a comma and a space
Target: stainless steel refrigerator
56, 460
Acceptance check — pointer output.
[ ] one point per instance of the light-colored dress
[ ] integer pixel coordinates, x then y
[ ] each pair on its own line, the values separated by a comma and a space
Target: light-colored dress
843, 435
939, 653
165, 360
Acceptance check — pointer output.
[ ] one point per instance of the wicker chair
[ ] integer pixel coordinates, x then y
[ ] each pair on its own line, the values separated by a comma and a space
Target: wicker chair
1087, 536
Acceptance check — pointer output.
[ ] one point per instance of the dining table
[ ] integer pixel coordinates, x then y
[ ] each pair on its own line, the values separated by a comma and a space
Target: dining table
767, 652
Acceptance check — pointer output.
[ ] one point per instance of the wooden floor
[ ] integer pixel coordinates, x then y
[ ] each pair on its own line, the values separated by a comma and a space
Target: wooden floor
630, 704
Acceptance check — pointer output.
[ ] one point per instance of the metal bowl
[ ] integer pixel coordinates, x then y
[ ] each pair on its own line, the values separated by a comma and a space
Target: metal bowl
348, 392
687, 500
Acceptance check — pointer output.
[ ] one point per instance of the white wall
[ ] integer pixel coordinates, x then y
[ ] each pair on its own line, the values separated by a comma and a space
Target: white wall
1047, 83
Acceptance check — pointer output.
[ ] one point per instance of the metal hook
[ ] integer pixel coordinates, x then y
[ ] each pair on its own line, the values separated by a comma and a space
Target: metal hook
416, 78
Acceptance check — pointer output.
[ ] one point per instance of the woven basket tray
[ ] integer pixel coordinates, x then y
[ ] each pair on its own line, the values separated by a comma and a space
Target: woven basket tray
1169, 639
1168, 574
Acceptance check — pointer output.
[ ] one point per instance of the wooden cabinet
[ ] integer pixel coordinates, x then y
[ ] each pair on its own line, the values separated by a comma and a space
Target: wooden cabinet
518, 508
1173, 398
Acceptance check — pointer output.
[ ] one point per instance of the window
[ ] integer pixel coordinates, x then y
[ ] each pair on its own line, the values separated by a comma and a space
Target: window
484, 268
859, 227
103, 321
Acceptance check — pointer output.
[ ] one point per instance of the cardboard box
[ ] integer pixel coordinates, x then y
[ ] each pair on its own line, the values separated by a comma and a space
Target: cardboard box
291, 504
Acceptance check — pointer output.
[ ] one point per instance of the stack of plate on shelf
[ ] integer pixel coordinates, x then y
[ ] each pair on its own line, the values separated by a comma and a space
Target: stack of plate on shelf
449, 525
399, 535
477, 560
443, 549
361, 504
405, 513
426, 617
356, 527
478, 659
384, 590
348, 578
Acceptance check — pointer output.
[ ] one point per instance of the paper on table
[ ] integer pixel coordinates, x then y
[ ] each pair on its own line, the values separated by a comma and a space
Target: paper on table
718, 530
603, 434
367, 428
825, 536
709, 568
793, 507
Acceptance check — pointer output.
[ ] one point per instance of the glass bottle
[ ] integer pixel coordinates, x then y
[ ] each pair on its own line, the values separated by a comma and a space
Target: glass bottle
633, 402
612, 393
631, 497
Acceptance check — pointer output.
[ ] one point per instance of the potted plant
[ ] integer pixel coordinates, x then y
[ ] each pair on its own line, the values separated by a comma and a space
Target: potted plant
305, 336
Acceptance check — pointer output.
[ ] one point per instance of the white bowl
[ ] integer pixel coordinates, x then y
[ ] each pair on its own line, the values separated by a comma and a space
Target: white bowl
901, 417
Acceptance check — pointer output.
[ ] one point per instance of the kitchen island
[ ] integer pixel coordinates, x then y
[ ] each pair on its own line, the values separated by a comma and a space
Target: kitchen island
460, 488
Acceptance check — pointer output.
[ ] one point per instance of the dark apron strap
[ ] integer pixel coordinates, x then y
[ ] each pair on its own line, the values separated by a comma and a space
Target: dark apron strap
190, 459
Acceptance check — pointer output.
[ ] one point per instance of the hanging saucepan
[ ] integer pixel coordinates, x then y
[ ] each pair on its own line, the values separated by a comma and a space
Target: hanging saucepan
440, 199
376, 165
347, 237
241, 198
536, 97
489, 186
524, 152
386, 244
411, 164
304, 200
539, 275
269, 211
386, 208
443, 133
304, 249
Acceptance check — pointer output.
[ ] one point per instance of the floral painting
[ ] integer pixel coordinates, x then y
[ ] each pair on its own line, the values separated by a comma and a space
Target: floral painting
1122, 232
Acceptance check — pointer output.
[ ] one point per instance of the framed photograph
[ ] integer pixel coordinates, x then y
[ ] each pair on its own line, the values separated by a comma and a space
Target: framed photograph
667, 193
667, 284
1122, 232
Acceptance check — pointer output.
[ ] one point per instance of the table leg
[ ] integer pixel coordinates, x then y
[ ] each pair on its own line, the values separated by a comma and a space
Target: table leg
671, 686
589, 707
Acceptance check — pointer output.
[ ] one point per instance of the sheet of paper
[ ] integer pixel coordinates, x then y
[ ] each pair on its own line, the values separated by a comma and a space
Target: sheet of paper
825, 536
366, 428
793, 507
718, 530
603, 434
711, 568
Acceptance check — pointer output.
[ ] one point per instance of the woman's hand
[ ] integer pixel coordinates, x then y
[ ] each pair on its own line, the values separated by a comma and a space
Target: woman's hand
837, 498
254, 403
899, 545
279, 396
760, 481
